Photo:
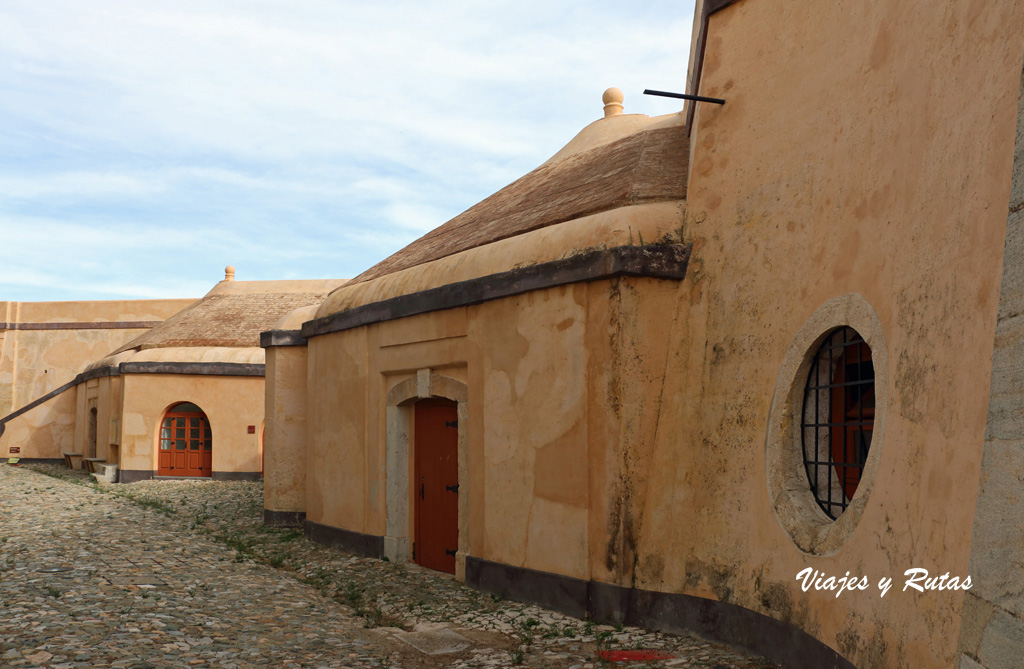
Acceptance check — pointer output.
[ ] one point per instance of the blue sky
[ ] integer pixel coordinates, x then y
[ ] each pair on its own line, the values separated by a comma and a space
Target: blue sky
144, 145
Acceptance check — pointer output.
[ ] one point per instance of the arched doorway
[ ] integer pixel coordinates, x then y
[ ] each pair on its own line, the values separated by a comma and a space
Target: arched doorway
90, 451
186, 442
401, 488
436, 472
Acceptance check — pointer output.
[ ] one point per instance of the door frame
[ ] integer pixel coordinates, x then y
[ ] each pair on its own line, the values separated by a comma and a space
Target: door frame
204, 454
399, 504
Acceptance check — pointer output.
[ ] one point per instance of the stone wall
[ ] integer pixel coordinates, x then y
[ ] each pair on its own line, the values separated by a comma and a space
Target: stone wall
992, 633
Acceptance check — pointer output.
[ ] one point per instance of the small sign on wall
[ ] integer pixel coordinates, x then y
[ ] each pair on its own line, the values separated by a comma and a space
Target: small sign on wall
252, 429
15, 449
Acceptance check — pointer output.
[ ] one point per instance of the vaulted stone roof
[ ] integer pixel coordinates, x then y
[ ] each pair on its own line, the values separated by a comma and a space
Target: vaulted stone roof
233, 314
647, 166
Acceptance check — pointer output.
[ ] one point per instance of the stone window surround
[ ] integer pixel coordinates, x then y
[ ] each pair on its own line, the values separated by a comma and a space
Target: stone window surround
793, 503
401, 402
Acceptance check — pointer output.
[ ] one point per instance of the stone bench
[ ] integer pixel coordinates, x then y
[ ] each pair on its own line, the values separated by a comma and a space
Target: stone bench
90, 464
105, 472
73, 460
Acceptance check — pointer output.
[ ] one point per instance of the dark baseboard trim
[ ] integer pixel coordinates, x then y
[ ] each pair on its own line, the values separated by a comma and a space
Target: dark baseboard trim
553, 591
367, 545
665, 261
237, 476
34, 461
727, 623
773, 639
133, 475
282, 338
283, 518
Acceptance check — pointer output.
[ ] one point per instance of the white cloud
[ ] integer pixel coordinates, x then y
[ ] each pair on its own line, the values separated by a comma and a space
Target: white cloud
318, 130
83, 184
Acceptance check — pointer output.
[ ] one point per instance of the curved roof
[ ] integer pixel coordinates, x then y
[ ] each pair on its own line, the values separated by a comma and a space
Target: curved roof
233, 314
615, 162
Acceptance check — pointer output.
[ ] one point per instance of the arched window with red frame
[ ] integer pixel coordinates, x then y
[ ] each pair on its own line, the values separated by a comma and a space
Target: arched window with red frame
186, 442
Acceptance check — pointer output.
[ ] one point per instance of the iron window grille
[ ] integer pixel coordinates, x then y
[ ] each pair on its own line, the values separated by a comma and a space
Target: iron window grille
838, 419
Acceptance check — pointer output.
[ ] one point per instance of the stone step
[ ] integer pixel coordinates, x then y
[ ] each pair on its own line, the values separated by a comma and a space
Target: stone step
105, 472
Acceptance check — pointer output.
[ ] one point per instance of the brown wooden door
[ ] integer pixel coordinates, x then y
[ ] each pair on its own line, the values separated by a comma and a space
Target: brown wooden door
186, 445
437, 484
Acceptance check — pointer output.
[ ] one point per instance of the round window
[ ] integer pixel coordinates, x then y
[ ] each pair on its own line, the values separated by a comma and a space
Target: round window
838, 419
826, 424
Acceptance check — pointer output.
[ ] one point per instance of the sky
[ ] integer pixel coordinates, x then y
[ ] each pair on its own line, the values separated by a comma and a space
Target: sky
146, 144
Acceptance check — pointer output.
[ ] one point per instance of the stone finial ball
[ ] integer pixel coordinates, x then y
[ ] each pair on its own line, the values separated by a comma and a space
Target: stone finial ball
229, 273
612, 102
613, 96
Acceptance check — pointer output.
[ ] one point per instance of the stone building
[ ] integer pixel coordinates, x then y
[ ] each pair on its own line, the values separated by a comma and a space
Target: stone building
688, 373
43, 346
184, 397
691, 357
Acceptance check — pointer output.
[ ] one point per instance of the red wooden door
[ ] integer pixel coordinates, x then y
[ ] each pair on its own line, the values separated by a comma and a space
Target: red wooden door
186, 445
437, 484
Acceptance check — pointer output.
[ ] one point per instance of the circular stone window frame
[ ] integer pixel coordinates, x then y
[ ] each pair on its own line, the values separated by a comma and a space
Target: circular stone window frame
793, 501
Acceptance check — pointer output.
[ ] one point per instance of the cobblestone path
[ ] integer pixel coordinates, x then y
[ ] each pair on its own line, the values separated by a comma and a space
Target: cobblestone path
144, 594
182, 574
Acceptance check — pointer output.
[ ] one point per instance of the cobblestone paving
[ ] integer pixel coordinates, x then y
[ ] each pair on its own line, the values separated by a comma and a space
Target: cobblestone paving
182, 573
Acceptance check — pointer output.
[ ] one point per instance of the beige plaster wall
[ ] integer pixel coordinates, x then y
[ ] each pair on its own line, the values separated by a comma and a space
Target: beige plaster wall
285, 442
533, 414
45, 431
35, 361
559, 382
105, 395
336, 428
539, 377
231, 404
865, 148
